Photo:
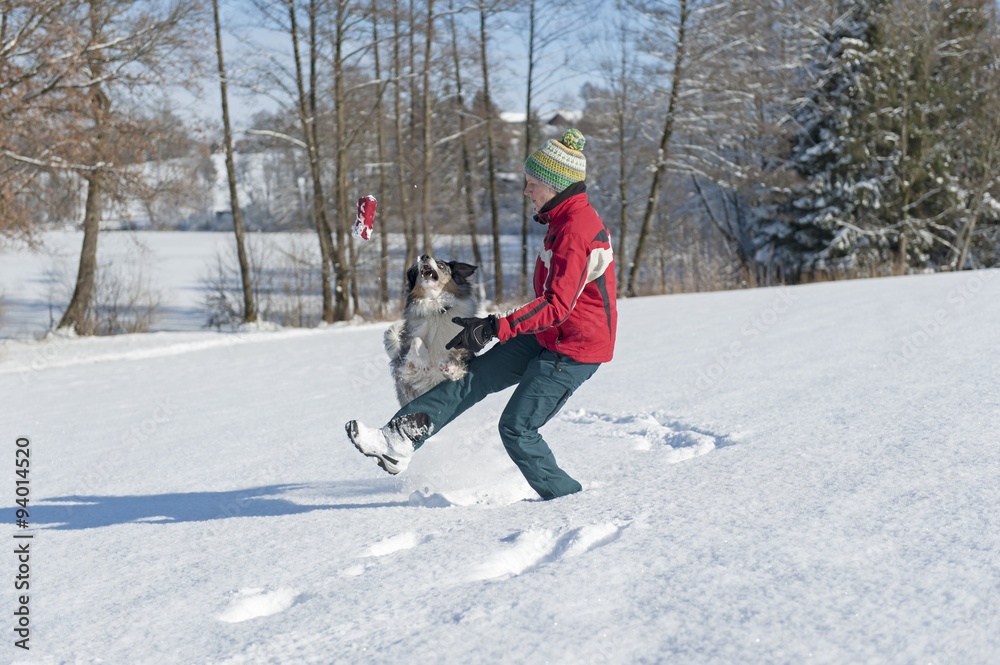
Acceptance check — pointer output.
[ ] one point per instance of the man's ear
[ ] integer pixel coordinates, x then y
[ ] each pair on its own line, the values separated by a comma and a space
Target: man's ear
461, 272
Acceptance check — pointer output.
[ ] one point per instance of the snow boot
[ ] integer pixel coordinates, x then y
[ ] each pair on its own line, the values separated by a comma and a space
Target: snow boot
392, 445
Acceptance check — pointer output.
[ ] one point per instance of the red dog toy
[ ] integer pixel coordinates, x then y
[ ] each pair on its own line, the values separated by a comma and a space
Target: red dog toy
366, 217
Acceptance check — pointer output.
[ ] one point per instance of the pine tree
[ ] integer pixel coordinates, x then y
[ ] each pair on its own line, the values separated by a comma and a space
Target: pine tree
880, 185
916, 95
842, 163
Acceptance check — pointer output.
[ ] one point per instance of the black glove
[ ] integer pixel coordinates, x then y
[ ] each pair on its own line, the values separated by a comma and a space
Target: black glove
476, 333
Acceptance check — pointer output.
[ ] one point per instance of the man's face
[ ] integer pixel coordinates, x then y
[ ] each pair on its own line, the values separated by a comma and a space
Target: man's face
538, 193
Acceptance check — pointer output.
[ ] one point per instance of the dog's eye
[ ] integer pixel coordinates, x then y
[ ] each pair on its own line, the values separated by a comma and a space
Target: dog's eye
442, 265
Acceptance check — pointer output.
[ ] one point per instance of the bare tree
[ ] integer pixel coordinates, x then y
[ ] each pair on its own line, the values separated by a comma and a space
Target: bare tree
613, 119
465, 180
548, 56
402, 163
249, 310
306, 107
132, 44
354, 109
680, 26
383, 276
428, 135
341, 265
42, 46
736, 117
529, 138
484, 12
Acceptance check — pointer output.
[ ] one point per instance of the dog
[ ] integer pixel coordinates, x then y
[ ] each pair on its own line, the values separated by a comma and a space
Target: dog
436, 291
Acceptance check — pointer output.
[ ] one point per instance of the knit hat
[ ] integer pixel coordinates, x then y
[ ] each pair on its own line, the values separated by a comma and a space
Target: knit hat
558, 164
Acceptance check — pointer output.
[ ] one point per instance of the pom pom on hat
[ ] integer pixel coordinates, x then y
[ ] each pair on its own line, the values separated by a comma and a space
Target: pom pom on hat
573, 139
559, 164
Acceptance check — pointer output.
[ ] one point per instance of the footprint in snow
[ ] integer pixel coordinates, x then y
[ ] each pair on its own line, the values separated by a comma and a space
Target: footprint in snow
253, 603
384, 547
403, 541
653, 432
502, 494
540, 546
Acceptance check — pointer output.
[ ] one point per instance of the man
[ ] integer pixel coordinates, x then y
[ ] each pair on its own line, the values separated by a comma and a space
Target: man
548, 347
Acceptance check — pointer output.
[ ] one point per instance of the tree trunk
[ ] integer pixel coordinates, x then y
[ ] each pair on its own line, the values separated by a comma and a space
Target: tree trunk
428, 135
81, 303
350, 272
341, 269
490, 167
465, 182
412, 135
661, 156
100, 107
319, 198
383, 268
528, 140
249, 311
967, 231
409, 232
623, 196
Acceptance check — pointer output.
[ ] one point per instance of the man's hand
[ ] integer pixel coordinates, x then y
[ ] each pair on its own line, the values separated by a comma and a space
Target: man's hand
476, 333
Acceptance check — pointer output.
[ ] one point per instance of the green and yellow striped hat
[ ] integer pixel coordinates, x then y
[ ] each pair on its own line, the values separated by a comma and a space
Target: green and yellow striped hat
558, 164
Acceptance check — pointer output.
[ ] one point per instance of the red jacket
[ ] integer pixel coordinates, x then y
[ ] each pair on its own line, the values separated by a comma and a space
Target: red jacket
574, 312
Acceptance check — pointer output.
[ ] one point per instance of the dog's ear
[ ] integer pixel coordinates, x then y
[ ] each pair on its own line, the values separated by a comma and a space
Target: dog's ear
461, 272
411, 275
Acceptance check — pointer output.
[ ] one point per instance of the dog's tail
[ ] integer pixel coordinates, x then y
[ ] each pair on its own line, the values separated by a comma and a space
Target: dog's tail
392, 339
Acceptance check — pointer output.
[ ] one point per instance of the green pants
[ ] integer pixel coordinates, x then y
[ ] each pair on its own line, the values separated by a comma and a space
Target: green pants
545, 381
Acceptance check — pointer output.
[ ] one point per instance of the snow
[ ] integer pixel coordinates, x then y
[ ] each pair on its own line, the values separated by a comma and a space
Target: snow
252, 603
513, 117
793, 475
35, 286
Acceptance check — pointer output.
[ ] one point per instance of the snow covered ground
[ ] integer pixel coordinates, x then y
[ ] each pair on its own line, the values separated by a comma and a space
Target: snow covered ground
793, 475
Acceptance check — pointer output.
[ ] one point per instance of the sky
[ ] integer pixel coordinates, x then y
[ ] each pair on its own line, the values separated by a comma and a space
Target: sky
508, 53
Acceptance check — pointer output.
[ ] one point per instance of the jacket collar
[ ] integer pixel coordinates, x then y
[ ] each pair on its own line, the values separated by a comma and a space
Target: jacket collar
544, 215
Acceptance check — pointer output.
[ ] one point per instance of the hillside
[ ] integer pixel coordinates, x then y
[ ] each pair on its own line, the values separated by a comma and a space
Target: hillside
796, 475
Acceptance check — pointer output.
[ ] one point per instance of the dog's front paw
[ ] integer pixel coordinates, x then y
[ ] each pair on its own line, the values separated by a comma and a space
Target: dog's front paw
418, 360
452, 370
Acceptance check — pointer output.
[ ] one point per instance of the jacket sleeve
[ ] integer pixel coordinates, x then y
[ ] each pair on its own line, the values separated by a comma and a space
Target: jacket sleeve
566, 278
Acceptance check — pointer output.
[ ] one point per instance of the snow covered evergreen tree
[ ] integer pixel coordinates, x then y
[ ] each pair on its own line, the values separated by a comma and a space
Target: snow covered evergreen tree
880, 188
844, 164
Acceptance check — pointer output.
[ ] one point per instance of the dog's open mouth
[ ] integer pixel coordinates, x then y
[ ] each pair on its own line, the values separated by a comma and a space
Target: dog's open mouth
429, 273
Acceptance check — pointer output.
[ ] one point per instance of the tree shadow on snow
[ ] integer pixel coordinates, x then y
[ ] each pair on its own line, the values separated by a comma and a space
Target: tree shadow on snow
89, 512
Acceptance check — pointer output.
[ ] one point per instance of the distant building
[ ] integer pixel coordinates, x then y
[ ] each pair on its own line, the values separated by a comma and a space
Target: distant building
552, 123
558, 120
563, 120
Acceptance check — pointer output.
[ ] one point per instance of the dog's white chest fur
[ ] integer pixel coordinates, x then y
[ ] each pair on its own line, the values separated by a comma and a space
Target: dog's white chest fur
430, 321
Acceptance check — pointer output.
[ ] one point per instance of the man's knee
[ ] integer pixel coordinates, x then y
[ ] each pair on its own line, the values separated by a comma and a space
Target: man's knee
510, 430
518, 435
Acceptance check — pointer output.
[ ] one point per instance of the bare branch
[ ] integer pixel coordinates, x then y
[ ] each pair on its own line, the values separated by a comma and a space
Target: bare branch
278, 135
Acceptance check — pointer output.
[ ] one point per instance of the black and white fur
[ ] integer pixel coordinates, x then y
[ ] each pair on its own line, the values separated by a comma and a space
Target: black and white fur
436, 292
